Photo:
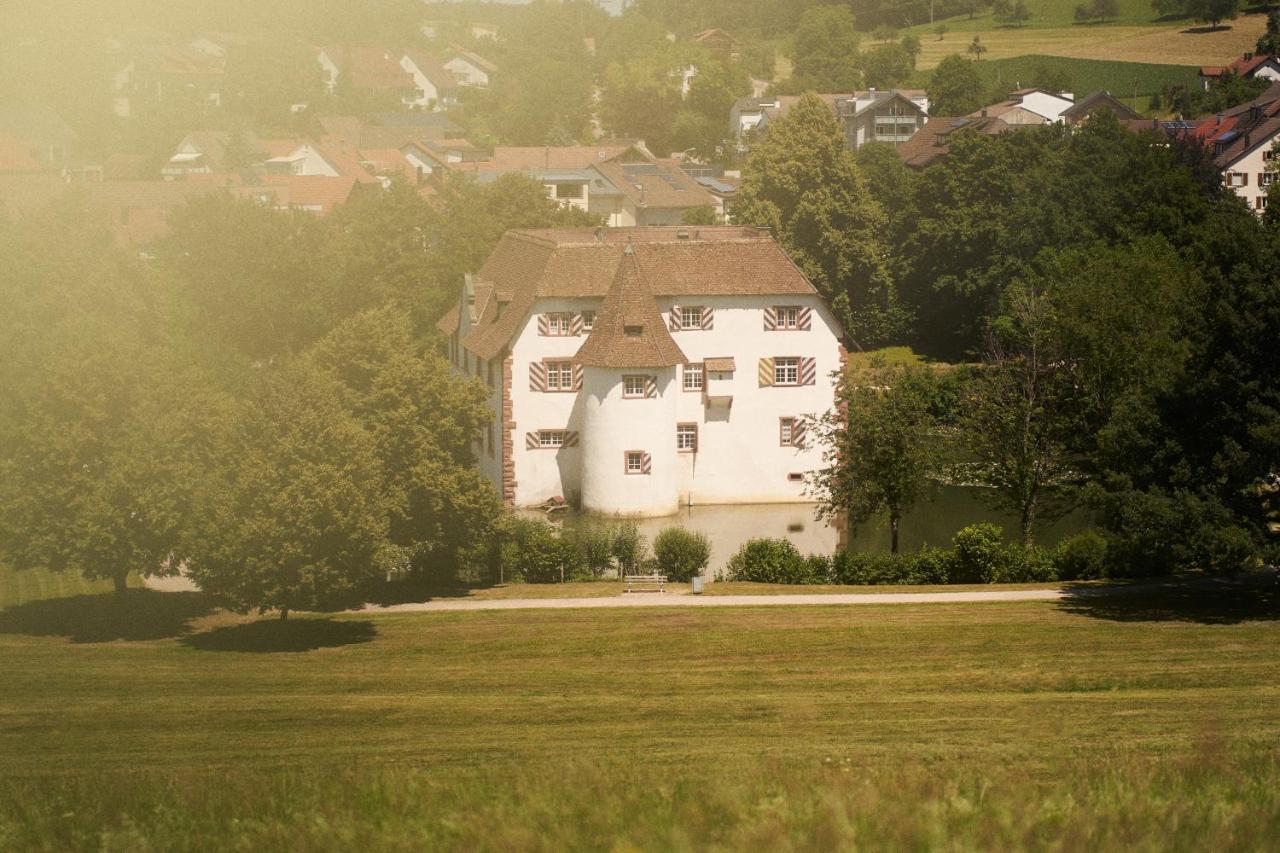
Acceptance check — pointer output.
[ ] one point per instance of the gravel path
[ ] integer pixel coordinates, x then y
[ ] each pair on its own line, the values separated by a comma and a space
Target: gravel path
650, 599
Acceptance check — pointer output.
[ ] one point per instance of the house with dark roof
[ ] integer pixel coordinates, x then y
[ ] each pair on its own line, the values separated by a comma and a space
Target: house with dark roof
1090, 105
1248, 66
633, 371
1242, 141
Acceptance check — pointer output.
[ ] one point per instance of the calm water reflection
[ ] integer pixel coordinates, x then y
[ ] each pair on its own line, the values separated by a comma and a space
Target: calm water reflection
932, 522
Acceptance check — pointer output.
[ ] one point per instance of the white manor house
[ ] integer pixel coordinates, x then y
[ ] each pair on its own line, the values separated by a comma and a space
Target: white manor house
633, 371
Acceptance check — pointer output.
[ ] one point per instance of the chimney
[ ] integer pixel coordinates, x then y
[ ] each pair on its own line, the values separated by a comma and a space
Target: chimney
1248, 55
1219, 118
984, 112
682, 234
871, 93
600, 234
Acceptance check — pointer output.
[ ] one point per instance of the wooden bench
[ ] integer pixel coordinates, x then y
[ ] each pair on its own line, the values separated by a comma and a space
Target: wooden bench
646, 583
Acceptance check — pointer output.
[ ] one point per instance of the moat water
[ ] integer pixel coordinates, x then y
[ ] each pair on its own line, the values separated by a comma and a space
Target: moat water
932, 522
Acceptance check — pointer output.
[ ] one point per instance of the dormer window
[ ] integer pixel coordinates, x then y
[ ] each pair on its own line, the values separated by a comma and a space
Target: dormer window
633, 331
588, 320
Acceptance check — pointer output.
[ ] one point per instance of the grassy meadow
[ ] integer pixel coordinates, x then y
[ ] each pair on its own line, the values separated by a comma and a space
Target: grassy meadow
159, 723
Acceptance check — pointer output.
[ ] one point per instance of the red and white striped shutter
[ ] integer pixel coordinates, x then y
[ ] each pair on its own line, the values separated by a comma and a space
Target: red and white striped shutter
544, 325
808, 371
531, 441
646, 463
675, 318
577, 377
537, 376
651, 386
804, 319
708, 318
575, 324
766, 373
570, 439
799, 427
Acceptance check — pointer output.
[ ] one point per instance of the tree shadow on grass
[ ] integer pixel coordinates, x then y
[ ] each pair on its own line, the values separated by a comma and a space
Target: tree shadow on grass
1206, 601
413, 591
275, 635
138, 614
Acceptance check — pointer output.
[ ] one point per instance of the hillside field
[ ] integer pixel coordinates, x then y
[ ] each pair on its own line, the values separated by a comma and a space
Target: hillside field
157, 723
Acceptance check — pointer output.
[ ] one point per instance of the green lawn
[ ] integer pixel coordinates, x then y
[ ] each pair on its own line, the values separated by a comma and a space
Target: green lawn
1139, 723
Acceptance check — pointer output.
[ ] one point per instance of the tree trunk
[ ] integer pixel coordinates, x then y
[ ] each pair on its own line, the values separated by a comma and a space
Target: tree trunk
1029, 525
893, 533
284, 614
121, 583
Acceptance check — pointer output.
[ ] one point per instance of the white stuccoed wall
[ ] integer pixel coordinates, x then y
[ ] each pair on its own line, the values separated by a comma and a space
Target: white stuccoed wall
739, 459
612, 426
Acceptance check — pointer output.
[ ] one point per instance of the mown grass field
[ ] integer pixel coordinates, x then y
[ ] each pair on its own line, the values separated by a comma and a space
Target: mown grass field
1134, 37
158, 723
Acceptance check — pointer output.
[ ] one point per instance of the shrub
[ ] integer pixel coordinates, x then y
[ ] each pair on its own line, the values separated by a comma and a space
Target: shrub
681, 554
930, 566
982, 556
595, 548
628, 548
770, 561
1081, 557
532, 551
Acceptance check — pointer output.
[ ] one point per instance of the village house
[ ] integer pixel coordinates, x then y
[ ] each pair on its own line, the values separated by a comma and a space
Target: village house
468, 68
1242, 140
892, 116
374, 70
636, 370
1248, 66
438, 86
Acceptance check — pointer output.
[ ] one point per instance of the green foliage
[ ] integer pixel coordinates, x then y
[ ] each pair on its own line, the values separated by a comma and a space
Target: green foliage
887, 66
929, 566
296, 516
423, 423
826, 51
981, 555
771, 561
801, 182
1269, 41
681, 554
595, 545
1082, 557
702, 215
640, 100
531, 550
955, 87
879, 445
629, 549
1230, 91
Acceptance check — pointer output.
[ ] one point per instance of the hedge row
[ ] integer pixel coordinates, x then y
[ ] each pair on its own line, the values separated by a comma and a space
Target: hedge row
979, 554
533, 551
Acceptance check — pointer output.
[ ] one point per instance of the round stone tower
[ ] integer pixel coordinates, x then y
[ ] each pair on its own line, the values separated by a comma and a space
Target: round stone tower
629, 402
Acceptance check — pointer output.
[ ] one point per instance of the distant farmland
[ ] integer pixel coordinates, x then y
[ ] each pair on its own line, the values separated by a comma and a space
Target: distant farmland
1121, 79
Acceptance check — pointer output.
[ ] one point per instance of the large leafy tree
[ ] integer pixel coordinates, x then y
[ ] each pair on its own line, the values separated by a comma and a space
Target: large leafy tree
826, 55
804, 184
101, 424
639, 100
424, 424
880, 445
955, 87
296, 516
1017, 416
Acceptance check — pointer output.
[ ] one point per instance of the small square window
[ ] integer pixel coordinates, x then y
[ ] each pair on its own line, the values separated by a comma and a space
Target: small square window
635, 462
551, 438
693, 377
686, 438
786, 371
788, 316
691, 317
633, 387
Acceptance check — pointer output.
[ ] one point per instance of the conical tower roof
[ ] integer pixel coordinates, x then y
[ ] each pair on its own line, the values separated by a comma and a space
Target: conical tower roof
629, 331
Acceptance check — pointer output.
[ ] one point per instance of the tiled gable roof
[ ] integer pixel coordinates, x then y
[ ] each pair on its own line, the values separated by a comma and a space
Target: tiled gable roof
582, 263
629, 331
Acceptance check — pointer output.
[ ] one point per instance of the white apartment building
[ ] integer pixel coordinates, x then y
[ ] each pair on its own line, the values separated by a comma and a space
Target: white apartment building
636, 370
